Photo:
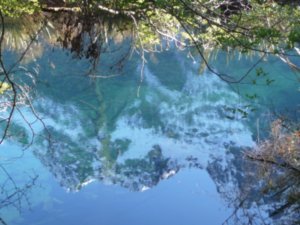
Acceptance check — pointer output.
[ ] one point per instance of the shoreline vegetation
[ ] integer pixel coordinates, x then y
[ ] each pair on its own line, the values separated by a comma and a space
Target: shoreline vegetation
203, 26
278, 162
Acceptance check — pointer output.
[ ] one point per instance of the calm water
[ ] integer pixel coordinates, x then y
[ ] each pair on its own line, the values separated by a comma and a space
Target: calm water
121, 151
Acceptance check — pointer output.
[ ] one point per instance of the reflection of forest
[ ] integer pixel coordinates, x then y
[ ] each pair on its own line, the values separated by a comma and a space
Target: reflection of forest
261, 193
13, 194
193, 123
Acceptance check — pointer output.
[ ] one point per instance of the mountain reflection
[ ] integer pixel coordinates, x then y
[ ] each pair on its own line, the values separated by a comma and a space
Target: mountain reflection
101, 130
135, 134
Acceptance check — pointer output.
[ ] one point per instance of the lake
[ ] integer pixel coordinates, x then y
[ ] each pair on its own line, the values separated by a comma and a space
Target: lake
155, 143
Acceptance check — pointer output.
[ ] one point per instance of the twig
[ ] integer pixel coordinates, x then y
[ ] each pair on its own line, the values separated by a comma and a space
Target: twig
78, 9
260, 158
2, 221
7, 77
142, 51
34, 38
30, 127
234, 211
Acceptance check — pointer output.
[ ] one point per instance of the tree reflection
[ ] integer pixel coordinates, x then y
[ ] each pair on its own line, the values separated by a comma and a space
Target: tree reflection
260, 193
88, 35
12, 195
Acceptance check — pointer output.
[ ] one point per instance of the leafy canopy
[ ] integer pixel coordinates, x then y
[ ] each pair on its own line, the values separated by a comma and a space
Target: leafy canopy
15, 8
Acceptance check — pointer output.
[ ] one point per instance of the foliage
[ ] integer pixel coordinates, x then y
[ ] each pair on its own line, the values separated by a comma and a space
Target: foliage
244, 25
4, 87
15, 8
279, 171
248, 26
282, 149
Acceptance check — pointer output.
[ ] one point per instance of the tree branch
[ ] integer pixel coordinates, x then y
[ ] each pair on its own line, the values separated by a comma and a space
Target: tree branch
8, 78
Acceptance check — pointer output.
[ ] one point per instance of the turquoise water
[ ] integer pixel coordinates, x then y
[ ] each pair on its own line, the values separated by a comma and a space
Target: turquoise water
164, 150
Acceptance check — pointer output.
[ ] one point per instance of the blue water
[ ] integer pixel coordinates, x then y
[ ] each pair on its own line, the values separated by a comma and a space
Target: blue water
123, 152
189, 197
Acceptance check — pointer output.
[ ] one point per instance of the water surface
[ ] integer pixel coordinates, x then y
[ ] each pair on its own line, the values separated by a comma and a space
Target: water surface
164, 150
